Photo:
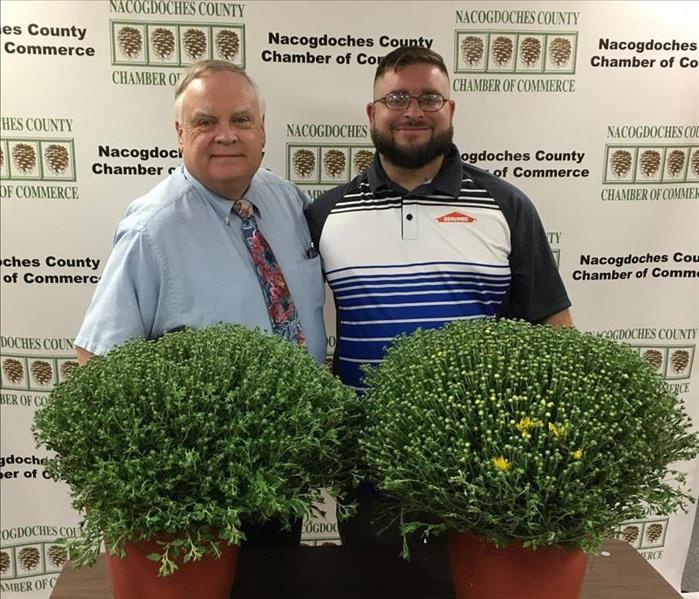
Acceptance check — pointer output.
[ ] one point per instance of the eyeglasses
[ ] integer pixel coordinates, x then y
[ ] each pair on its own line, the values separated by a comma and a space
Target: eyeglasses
428, 102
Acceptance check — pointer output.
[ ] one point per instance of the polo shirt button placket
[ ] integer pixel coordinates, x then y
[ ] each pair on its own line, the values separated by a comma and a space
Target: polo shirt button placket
409, 221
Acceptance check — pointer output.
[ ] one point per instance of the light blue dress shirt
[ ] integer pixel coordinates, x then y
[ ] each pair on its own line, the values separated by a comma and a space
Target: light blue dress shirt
179, 259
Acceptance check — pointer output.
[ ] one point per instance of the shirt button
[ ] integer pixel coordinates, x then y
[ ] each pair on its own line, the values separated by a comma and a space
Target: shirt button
409, 217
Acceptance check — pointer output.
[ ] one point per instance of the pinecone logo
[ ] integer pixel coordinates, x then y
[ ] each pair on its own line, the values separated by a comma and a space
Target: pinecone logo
57, 158
630, 533
42, 372
653, 357
335, 162
57, 555
560, 51
4, 561
530, 51
472, 48
679, 360
502, 50
130, 41
304, 162
695, 162
68, 367
24, 157
650, 162
675, 162
621, 163
194, 43
13, 369
227, 44
163, 42
29, 558
362, 161
654, 532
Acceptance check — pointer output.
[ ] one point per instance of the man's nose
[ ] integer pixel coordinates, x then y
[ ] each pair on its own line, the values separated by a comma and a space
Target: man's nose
226, 133
413, 110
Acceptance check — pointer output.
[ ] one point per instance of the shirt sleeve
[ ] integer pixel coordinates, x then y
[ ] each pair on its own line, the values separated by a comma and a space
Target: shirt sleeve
536, 290
305, 198
126, 299
319, 210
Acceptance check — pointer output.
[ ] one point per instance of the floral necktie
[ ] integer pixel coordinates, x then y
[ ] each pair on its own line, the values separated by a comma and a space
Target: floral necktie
280, 305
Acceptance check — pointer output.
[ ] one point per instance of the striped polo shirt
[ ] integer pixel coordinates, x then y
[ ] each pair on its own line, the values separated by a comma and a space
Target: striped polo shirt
465, 245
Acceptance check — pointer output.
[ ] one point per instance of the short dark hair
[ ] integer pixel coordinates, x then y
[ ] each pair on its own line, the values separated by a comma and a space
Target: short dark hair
407, 55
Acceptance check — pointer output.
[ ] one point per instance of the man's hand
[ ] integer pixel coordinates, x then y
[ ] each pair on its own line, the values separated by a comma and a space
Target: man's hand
559, 319
83, 355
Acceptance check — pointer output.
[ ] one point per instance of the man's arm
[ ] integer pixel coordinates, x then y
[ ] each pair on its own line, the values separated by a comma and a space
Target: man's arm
126, 298
536, 293
559, 319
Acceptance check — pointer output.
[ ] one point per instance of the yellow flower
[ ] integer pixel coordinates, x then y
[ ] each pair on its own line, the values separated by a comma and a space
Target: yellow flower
526, 424
558, 431
501, 464
578, 454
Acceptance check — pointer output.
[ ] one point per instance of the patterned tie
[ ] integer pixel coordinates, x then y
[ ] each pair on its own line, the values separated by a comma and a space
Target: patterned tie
280, 306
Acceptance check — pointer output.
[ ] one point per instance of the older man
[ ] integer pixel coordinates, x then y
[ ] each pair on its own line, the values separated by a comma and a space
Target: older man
219, 240
421, 238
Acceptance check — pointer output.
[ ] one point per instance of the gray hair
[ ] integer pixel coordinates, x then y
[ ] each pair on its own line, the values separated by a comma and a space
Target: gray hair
198, 69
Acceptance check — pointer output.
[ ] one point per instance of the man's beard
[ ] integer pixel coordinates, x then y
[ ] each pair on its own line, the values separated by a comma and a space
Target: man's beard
412, 157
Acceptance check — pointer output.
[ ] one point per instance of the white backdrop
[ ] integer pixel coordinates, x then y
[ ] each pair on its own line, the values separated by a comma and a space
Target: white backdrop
591, 108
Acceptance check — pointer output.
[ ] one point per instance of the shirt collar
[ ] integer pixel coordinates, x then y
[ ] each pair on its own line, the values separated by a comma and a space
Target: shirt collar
447, 180
222, 206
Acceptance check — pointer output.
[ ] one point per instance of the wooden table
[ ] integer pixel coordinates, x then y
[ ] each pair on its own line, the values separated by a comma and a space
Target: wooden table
378, 572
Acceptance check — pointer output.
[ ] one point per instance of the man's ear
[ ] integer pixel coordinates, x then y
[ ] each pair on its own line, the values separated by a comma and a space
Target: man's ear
370, 109
264, 131
180, 132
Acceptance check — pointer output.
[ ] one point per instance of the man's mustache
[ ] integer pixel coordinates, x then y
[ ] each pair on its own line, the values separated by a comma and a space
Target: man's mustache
420, 124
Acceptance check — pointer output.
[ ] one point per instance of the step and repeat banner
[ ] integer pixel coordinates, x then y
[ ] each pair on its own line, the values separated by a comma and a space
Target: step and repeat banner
591, 108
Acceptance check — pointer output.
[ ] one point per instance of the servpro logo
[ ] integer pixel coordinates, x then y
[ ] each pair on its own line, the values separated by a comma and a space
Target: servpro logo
455, 217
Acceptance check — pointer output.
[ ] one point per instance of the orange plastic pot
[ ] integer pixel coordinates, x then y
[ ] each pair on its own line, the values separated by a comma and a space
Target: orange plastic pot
136, 577
482, 571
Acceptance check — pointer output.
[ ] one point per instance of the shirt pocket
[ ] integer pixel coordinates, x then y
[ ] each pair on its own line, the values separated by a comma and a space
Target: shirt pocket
311, 280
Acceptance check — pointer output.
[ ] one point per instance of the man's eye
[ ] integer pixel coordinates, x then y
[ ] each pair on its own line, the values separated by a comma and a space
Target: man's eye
205, 123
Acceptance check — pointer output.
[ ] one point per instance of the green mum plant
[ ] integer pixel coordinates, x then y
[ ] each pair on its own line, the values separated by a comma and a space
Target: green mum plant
517, 432
192, 435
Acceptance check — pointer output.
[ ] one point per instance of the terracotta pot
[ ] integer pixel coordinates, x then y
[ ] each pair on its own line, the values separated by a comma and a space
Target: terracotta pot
136, 577
482, 571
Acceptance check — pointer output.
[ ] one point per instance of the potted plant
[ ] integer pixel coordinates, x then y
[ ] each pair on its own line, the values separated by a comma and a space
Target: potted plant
527, 443
169, 445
